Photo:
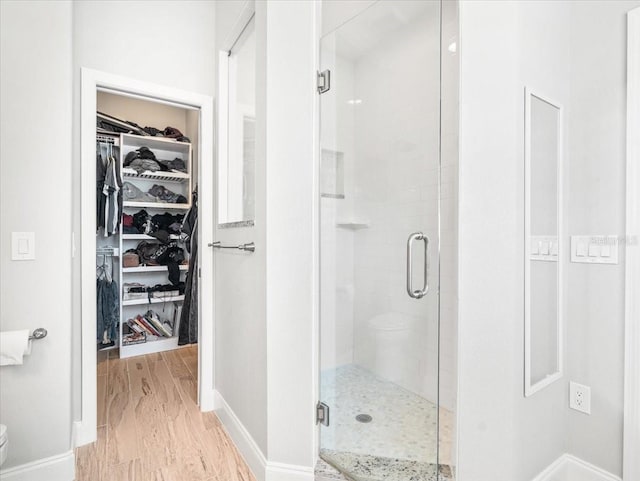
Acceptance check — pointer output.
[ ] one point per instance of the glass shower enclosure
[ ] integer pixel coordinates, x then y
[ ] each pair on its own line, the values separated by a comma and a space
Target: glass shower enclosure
380, 242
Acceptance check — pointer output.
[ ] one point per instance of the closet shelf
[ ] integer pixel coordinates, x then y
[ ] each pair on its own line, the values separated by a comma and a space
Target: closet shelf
145, 237
133, 270
154, 300
157, 176
152, 142
158, 345
156, 205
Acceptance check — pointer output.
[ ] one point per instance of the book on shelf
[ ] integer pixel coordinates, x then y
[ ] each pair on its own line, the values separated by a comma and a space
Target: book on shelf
142, 322
134, 338
154, 320
133, 326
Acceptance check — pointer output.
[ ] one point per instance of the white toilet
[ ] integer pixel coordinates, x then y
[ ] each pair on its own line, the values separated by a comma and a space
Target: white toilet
391, 339
4, 442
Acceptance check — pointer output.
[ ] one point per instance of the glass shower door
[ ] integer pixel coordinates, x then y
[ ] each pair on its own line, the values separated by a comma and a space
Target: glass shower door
379, 246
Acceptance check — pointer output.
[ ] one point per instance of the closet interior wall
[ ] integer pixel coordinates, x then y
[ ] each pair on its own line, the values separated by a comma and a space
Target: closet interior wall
147, 113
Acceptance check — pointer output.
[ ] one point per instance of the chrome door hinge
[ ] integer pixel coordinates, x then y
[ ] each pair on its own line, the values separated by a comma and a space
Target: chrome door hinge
324, 81
322, 413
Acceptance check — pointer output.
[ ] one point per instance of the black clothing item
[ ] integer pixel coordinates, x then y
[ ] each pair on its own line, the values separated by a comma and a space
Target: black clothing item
140, 220
101, 172
152, 131
169, 255
175, 164
188, 330
172, 133
165, 195
161, 235
167, 222
110, 123
142, 153
172, 257
146, 153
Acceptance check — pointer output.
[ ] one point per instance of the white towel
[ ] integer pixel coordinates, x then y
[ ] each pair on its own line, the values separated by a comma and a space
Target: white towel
14, 345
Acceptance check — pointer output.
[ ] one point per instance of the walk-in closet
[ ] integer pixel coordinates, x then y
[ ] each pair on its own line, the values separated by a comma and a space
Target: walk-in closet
146, 240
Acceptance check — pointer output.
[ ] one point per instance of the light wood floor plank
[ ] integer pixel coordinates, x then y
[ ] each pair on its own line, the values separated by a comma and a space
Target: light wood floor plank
176, 365
153, 428
128, 471
103, 361
102, 400
190, 358
122, 437
165, 389
90, 458
117, 376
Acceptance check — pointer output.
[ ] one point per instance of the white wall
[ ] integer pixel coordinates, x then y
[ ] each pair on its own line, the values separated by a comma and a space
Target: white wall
264, 317
595, 294
35, 171
573, 52
175, 49
291, 46
504, 46
241, 328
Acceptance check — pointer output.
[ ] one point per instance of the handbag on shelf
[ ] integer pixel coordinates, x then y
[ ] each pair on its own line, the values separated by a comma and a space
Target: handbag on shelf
130, 259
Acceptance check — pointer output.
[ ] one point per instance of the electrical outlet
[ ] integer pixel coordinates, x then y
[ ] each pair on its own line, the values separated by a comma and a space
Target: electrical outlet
580, 397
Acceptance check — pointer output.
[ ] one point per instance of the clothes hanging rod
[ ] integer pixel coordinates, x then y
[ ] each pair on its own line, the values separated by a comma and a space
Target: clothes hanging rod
103, 139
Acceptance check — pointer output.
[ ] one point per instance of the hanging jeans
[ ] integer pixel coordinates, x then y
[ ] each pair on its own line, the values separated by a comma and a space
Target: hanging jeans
108, 309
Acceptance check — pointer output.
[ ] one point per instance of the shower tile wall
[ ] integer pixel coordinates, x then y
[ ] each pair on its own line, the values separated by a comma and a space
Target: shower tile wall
337, 275
396, 135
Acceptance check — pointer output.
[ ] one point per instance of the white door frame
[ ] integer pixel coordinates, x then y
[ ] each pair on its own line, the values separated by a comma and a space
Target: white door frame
91, 82
631, 464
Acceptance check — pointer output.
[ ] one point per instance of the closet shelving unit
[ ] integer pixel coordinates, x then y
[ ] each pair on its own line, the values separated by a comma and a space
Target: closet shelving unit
180, 183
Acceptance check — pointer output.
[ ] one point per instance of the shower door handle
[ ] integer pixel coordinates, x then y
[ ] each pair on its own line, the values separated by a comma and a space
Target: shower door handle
415, 293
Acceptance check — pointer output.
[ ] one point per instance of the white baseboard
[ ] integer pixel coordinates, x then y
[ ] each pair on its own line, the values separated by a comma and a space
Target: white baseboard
83, 433
76, 427
262, 469
56, 468
208, 400
570, 468
288, 472
249, 449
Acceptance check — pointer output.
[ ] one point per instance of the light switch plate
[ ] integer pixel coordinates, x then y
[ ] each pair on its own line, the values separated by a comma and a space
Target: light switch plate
594, 249
544, 248
23, 246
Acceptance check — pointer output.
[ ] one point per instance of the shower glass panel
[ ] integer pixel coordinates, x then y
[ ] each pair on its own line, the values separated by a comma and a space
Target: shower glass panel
380, 244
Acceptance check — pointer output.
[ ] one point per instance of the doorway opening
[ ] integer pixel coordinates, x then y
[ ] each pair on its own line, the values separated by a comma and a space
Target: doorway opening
146, 191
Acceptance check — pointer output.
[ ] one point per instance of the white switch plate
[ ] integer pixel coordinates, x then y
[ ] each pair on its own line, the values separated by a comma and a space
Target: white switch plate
544, 248
594, 249
23, 246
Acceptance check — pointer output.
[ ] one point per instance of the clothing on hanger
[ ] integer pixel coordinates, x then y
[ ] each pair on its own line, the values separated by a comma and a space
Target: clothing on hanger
188, 330
108, 305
